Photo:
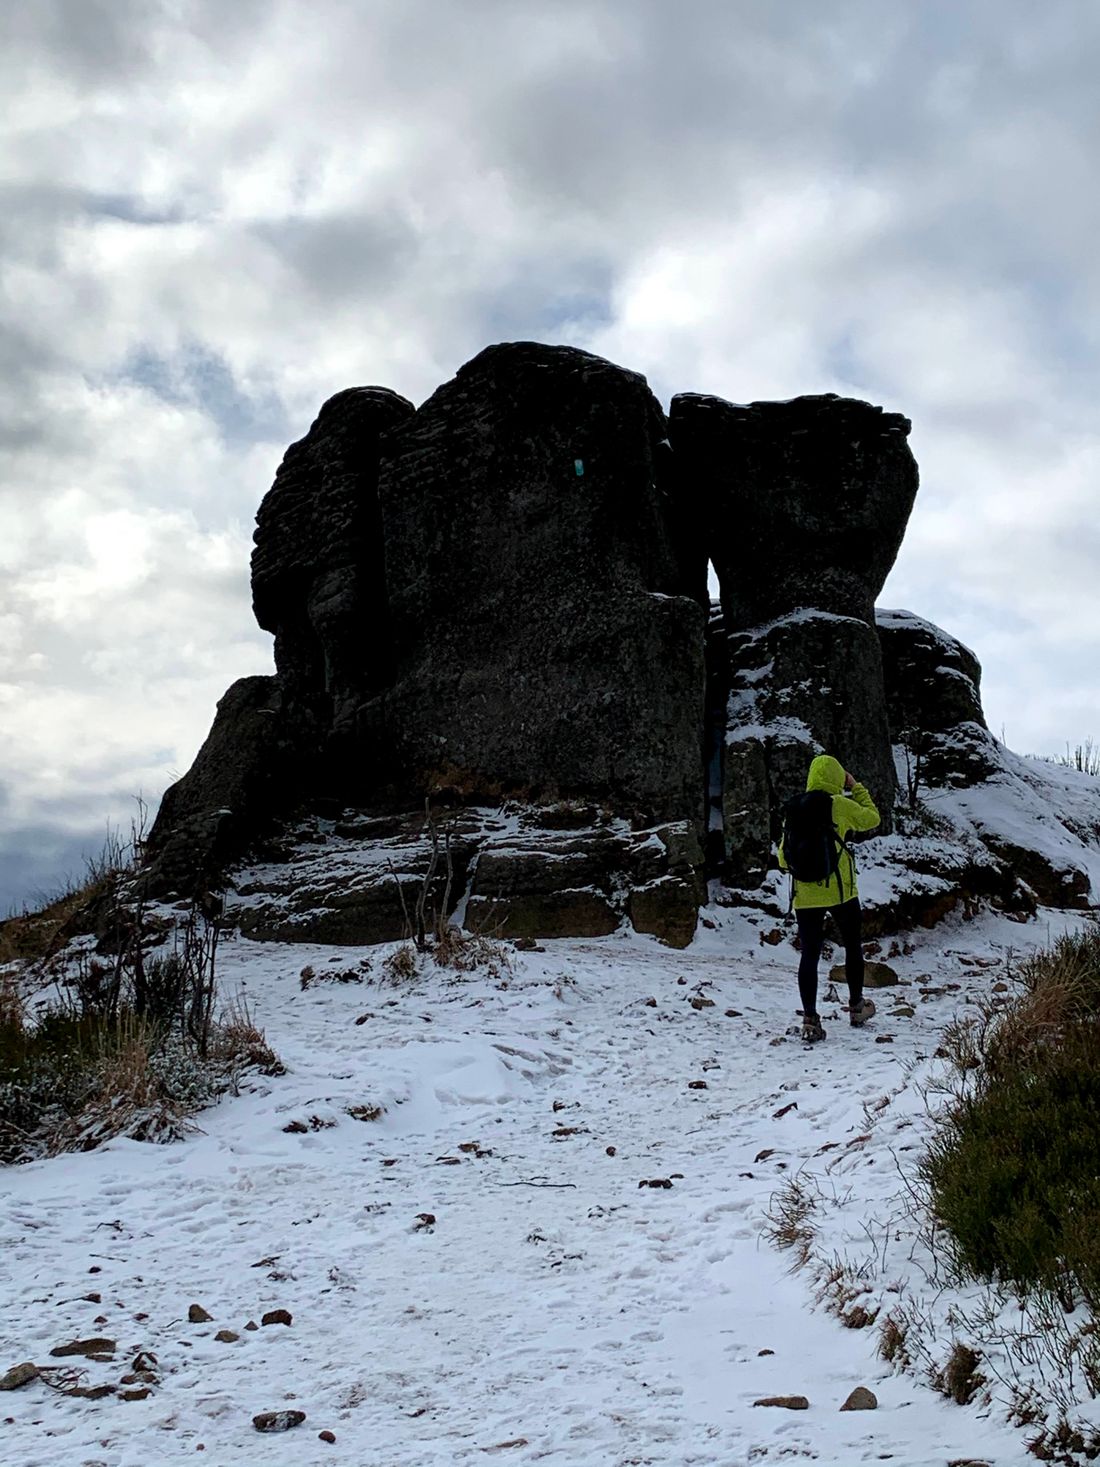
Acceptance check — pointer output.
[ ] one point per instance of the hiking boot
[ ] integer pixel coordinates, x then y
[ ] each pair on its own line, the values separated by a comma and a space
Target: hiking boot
859, 1013
812, 1030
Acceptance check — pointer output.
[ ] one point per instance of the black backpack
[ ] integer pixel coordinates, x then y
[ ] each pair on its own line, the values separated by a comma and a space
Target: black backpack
811, 845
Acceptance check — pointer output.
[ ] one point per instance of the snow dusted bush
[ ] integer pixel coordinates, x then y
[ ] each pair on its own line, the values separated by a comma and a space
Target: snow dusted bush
131, 1047
1012, 1167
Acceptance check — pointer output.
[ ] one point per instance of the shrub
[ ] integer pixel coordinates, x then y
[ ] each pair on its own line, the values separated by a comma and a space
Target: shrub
127, 1047
1012, 1167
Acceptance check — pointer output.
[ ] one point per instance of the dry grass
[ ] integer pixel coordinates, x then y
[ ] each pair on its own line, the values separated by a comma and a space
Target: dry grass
131, 1097
959, 1378
238, 1041
788, 1222
892, 1341
465, 952
402, 964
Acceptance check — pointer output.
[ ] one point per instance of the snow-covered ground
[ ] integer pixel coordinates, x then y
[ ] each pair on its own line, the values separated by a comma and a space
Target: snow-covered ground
553, 1310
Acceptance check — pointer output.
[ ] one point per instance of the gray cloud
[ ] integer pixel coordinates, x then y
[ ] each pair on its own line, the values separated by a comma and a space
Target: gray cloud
216, 216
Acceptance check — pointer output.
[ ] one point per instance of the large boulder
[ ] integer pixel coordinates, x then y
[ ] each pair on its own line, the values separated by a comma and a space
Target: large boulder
933, 698
806, 503
547, 637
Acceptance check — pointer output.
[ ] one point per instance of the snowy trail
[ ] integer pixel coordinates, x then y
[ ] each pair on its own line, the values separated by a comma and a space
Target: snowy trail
586, 1322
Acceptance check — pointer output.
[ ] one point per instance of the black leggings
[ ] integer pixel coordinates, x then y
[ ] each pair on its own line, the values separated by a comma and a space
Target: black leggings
811, 931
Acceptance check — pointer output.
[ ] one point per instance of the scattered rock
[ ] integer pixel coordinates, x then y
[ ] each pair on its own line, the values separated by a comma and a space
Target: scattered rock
198, 1315
784, 1109
763, 1155
278, 1420
884, 1039
277, 1316
139, 1393
656, 1182
610, 1151
91, 1393
516, 1441
905, 1011
698, 1002
252, 1324
733, 1013
18, 1375
327, 1436
698, 1085
651, 1003
791, 1403
425, 1220
861, 1399
772, 938
226, 1337
765, 1352
85, 1347
144, 1360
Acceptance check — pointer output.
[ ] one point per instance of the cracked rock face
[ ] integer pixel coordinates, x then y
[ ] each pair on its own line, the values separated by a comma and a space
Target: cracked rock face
543, 640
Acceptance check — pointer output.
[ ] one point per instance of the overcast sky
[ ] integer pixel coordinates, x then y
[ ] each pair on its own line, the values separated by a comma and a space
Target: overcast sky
214, 215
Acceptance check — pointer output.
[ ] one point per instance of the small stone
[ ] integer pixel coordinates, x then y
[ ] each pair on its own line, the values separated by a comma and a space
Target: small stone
790, 1403
84, 1347
277, 1316
252, 1324
18, 1375
651, 1003
610, 1151
144, 1360
697, 1085
278, 1420
198, 1315
733, 1013
904, 1011
91, 1393
226, 1337
861, 1399
884, 1039
699, 1002
141, 1393
765, 1352
327, 1436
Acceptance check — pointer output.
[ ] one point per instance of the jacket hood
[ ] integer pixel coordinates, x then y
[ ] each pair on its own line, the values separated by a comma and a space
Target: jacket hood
826, 773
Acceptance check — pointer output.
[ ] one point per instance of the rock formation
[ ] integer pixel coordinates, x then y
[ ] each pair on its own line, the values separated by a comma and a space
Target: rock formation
498, 601
542, 638
805, 504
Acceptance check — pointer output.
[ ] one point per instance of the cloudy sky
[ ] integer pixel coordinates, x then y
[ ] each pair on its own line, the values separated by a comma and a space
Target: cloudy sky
214, 215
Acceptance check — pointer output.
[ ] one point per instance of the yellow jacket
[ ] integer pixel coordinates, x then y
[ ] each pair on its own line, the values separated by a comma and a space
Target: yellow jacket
853, 811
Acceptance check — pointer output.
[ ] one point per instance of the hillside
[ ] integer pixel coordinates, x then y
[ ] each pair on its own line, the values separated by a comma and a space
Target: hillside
478, 1271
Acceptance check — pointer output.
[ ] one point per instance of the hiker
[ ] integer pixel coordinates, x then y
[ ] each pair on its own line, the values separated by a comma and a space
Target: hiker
824, 881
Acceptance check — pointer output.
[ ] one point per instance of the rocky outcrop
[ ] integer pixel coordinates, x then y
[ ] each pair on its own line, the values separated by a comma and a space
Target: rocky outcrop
499, 600
363, 880
257, 760
806, 503
933, 698
319, 566
543, 640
